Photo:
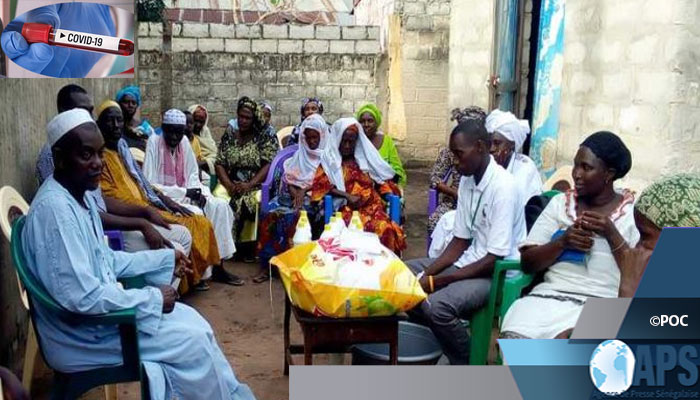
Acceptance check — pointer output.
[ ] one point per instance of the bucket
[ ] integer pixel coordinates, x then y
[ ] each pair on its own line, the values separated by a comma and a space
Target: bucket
417, 346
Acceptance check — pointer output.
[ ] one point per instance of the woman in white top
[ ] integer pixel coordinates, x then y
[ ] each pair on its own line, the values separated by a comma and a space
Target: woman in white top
576, 242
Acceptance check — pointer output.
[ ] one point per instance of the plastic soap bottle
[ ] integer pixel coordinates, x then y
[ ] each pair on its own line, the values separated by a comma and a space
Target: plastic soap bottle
303, 230
356, 222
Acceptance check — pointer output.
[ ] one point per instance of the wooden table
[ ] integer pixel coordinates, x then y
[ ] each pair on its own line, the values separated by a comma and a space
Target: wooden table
336, 335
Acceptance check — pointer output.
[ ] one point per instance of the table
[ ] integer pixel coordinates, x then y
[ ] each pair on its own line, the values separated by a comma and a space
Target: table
336, 335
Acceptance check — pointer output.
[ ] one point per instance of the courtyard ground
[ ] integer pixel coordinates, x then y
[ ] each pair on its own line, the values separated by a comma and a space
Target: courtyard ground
247, 320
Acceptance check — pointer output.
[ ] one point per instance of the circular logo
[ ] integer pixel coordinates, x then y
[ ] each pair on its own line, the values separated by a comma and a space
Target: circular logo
612, 367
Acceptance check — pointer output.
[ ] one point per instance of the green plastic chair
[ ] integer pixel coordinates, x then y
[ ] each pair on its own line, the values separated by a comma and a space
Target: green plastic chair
72, 385
504, 291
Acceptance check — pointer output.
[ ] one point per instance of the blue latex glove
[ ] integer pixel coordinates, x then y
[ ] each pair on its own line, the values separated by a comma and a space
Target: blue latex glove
57, 61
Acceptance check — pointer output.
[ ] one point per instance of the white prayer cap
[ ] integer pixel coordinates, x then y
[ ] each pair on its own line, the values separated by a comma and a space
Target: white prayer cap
174, 117
65, 122
508, 125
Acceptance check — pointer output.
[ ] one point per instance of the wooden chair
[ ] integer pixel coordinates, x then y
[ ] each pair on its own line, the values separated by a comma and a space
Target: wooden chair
72, 385
13, 206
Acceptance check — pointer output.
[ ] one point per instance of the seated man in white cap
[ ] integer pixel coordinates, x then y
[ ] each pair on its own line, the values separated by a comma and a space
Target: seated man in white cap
171, 166
508, 135
62, 242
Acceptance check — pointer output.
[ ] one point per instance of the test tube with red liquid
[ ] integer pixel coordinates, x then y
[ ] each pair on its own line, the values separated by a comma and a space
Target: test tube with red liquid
43, 33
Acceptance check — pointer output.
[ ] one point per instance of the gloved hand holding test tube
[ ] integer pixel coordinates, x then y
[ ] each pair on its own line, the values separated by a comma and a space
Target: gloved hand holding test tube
86, 21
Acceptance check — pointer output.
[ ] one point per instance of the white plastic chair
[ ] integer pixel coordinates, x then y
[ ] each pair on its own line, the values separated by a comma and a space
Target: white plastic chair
283, 133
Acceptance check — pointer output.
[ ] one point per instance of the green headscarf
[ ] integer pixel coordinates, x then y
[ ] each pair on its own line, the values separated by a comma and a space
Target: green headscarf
672, 202
372, 109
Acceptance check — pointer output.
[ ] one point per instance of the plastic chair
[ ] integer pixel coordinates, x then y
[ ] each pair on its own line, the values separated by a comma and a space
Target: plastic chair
283, 133
504, 291
72, 385
276, 165
433, 203
12, 206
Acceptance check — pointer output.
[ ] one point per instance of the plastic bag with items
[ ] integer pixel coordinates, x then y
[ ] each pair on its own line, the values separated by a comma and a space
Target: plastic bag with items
349, 275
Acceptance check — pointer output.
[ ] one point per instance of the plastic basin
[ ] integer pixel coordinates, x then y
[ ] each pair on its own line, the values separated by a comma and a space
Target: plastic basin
417, 346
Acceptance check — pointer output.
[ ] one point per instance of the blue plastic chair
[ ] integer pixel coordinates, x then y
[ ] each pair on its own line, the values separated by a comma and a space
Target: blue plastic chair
276, 169
433, 203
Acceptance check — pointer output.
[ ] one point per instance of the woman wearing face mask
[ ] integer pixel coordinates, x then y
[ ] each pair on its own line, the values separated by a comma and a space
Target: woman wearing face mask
577, 242
311, 160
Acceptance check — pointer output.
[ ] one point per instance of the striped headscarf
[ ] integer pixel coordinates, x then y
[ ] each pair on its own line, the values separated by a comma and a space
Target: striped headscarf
672, 202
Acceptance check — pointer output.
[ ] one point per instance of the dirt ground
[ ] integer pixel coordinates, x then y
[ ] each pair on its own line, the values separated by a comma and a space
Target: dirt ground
247, 320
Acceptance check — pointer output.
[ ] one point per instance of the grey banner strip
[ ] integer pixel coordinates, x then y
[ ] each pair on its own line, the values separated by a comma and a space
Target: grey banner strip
601, 318
402, 382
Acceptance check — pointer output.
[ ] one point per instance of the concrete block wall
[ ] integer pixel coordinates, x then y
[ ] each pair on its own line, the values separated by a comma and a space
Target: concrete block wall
631, 67
215, 64
425, 47
471, 39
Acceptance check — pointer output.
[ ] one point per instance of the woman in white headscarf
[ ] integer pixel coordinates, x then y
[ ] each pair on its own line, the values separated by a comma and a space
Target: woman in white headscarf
508, 135
366, 179
313, 158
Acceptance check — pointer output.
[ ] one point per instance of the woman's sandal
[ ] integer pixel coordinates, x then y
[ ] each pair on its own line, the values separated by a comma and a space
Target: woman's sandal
262, 277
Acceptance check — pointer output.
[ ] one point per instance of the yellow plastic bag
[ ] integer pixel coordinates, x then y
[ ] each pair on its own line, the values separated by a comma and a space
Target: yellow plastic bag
317, 282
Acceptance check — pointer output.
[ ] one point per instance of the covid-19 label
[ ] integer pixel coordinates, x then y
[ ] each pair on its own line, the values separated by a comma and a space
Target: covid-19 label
86, 40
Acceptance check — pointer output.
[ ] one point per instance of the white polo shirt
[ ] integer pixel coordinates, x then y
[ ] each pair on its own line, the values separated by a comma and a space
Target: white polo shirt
491, 214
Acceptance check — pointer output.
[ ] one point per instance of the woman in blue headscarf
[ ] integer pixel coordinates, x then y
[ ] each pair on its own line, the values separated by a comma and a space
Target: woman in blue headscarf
136, 132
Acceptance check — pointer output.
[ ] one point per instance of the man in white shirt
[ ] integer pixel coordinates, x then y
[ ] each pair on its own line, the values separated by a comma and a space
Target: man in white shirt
488, 224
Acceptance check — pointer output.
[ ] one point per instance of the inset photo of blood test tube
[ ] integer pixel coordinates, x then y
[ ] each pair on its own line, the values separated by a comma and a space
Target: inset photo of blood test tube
70, 40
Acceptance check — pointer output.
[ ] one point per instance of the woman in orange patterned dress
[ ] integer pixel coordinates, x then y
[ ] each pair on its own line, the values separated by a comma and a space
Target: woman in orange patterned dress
367, 180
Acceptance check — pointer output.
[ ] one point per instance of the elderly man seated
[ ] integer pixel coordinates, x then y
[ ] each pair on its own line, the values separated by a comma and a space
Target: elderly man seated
171, 167
65, 251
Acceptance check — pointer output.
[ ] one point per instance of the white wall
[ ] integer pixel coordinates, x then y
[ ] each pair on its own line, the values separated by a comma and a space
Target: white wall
631, 67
